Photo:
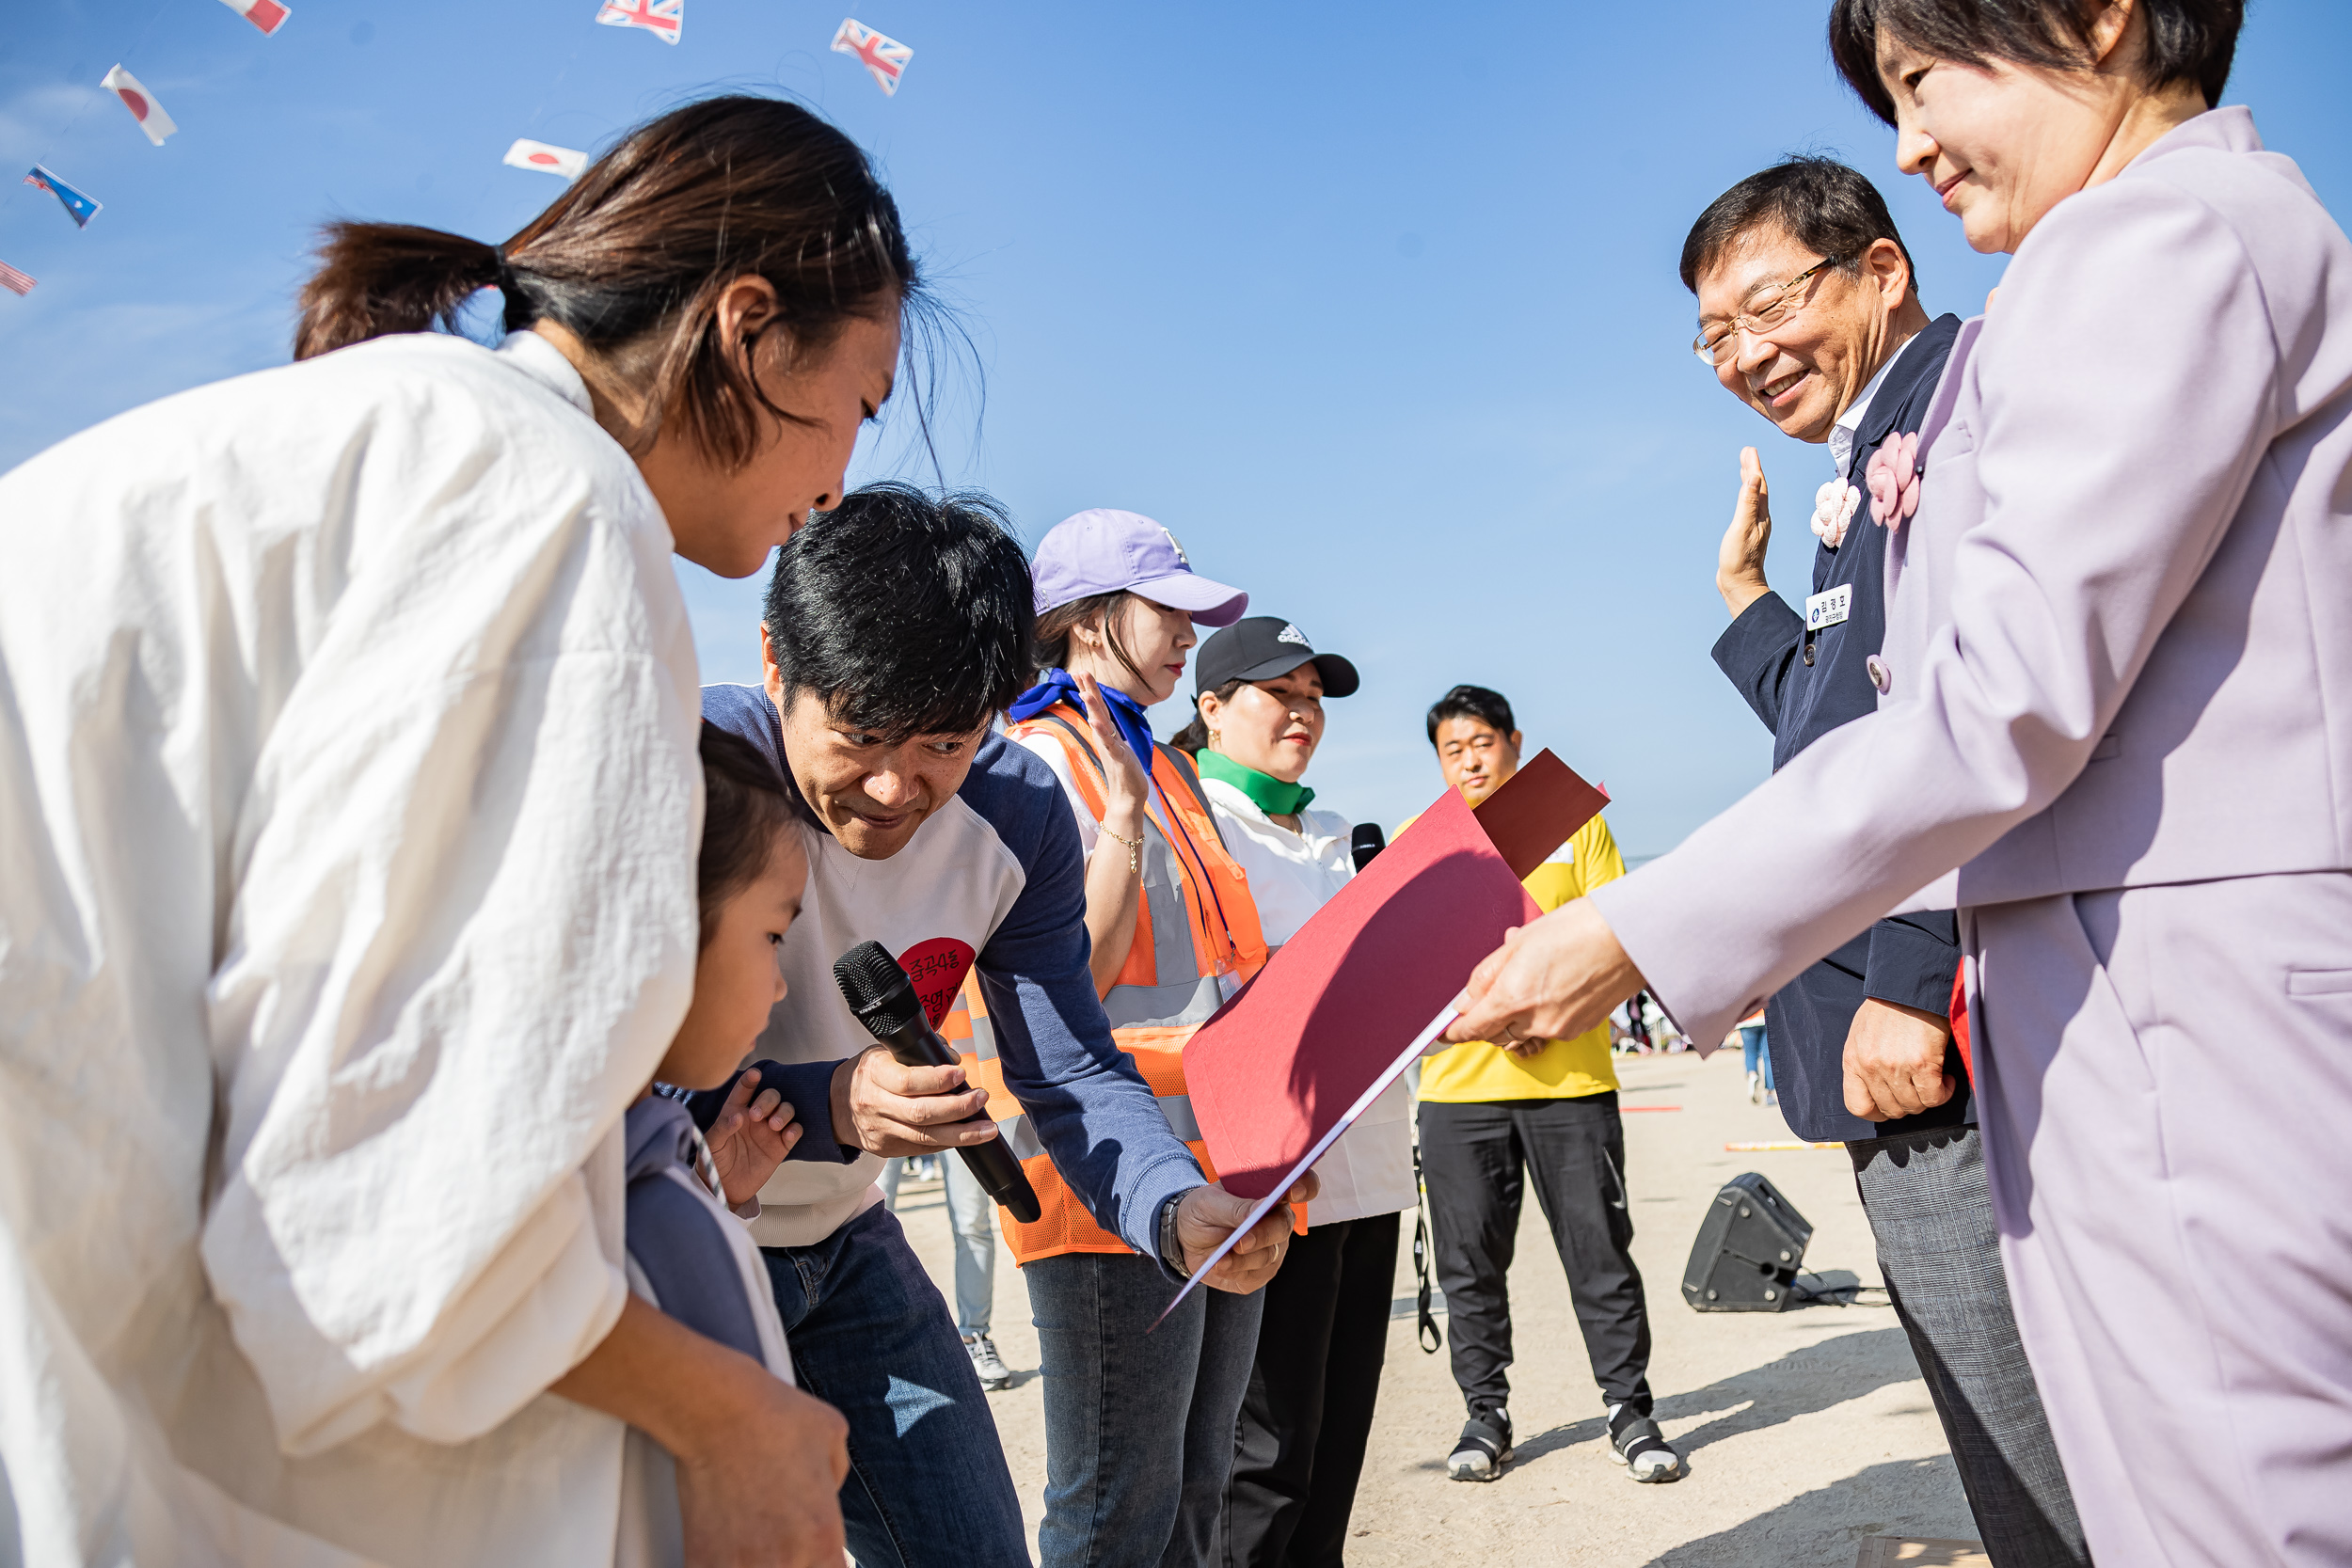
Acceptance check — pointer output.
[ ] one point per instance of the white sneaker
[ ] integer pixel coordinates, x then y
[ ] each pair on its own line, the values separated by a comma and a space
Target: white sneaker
1638, 1445
985, 1361
1756, 1088
1482, 1450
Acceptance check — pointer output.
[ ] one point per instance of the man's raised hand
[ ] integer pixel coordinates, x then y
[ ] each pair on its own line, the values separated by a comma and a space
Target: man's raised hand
1739, 561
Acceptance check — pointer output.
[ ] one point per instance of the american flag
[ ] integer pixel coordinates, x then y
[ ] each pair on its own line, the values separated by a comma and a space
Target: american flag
886, 58
13, 280
665, 19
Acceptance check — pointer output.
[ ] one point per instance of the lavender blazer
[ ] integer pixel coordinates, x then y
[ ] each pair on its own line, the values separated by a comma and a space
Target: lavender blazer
2119, 644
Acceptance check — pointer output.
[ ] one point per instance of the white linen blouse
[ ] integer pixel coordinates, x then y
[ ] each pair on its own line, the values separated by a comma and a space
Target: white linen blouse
1292, 874
348, 802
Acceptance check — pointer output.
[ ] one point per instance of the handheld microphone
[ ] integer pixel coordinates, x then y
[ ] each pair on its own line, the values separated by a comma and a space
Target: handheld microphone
883, 999
1366, 842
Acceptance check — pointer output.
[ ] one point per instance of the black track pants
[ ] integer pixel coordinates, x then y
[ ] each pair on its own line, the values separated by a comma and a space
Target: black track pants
1473, 1158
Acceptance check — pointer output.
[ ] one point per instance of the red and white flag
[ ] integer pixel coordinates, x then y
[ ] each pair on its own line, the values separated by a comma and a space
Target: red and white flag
13, 280
546, 157
665, 19
141, 103
886, 58
268, 15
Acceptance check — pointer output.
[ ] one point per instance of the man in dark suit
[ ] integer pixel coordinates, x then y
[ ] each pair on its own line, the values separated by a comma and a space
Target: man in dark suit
1808, 314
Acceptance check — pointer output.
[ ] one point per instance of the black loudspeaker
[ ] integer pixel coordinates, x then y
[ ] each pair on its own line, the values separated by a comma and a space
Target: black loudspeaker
1748, 1251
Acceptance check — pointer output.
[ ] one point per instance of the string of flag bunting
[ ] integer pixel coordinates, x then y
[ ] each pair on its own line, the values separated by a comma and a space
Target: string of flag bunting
884, 58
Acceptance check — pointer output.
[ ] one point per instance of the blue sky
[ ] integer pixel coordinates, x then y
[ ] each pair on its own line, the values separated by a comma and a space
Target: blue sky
1374, 305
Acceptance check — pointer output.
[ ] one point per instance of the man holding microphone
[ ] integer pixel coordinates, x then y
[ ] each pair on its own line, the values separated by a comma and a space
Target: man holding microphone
897, 628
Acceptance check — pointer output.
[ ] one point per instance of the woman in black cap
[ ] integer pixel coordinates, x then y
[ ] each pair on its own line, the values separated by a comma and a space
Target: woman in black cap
1260, 688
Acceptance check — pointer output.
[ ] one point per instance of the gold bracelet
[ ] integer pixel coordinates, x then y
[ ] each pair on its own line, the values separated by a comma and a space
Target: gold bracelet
1135, 850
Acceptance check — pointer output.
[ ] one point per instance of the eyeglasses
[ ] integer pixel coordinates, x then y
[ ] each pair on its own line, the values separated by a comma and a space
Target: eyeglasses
1766, 311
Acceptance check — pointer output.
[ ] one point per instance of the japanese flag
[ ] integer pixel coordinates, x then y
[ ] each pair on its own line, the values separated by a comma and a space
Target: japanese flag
268, 15
527, 154
141, 103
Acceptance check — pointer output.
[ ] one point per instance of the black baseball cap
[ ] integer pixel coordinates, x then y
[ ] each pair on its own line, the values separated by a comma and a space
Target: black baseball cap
1259, 647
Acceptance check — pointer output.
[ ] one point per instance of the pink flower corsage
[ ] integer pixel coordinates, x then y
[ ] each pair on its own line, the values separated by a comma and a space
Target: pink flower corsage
1894, 481
1834, 506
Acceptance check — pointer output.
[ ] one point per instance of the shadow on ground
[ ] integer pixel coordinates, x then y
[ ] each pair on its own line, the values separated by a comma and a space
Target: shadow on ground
1826, 1525
1779, 1390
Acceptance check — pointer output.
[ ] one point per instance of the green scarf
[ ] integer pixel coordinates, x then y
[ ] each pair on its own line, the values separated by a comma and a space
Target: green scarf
1269, 794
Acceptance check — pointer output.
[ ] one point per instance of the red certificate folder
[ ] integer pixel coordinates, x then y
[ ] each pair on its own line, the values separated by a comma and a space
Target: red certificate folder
1281, 1063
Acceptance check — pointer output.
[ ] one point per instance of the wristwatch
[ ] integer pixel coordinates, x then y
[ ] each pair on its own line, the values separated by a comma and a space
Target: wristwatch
1171, 1250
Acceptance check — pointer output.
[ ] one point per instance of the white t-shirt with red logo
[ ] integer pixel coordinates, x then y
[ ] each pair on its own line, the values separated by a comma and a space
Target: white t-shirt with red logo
992, 880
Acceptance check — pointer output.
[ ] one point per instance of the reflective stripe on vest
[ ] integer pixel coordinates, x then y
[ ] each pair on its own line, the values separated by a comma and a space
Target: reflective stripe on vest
968, 1021
1167, 989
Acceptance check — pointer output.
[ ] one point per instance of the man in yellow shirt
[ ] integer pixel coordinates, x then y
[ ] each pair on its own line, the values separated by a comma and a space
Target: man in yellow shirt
1490, 1115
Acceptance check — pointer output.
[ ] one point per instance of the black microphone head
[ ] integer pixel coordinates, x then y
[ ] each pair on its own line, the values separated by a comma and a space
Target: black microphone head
1366, 842
876, 988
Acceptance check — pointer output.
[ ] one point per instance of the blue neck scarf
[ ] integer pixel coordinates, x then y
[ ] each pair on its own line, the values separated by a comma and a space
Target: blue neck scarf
1060, 686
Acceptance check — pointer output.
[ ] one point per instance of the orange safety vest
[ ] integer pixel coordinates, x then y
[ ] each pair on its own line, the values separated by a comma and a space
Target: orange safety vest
1194, 918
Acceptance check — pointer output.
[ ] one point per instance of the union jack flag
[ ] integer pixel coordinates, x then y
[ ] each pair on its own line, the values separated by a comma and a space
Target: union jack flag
13, 280
886, 58
665, 19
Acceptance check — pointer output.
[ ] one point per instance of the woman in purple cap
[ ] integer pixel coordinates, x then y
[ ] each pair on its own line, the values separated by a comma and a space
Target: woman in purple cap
1139, 1425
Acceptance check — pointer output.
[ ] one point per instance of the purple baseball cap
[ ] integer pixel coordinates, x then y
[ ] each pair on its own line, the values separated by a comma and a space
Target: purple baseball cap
1103, 551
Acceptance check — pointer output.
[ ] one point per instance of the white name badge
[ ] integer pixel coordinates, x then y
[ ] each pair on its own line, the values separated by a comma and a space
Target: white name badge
1829, 607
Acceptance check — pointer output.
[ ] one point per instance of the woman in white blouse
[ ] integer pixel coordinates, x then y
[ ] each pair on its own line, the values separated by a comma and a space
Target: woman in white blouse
1261, 687
349, 798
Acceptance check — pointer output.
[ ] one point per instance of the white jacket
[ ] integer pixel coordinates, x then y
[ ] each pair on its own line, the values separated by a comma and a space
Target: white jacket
348, 806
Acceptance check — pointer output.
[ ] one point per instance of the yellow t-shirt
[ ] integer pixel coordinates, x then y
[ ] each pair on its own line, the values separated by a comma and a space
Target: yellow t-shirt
1563, 1069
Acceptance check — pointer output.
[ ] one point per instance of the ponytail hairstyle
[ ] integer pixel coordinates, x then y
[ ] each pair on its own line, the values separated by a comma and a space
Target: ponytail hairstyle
746, 805
632, 260
1193, 738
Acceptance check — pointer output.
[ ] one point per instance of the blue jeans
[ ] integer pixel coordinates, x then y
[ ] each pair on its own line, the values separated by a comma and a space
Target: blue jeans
1139, 1426
972, 1214
1752, 1046
870, 1336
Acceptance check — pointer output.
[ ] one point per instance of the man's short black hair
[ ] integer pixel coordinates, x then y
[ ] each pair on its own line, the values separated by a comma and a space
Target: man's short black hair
2188, 41
904, 613
1490, 708
1825, 207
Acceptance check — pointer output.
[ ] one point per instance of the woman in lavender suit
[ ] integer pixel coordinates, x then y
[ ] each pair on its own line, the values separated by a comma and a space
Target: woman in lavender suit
2115, 731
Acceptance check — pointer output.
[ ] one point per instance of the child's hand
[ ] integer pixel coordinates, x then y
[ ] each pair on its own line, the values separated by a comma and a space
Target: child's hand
750, 1139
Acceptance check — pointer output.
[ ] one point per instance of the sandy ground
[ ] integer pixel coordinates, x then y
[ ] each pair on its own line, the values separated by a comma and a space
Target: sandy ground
1806, 1432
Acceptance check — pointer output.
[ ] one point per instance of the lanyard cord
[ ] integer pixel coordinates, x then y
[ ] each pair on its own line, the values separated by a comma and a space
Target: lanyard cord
1198, 870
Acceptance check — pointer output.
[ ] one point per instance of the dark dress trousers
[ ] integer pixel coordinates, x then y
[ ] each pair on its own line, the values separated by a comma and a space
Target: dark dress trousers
1908, 960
